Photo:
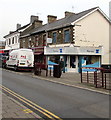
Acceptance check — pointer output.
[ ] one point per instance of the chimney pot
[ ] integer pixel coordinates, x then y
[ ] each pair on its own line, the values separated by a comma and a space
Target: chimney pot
67, 13
18, 26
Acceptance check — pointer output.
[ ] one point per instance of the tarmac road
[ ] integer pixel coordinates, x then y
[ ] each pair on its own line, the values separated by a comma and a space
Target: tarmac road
61, 100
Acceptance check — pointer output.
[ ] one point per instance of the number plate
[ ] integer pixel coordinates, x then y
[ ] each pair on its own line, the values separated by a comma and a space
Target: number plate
22, 63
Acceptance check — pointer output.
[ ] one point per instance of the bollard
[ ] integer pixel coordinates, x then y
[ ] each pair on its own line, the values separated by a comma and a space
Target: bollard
105, 81
95, 78
47, 71
50, 71
81, 75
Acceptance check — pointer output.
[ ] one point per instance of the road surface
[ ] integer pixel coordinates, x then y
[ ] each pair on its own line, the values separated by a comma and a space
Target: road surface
61, 100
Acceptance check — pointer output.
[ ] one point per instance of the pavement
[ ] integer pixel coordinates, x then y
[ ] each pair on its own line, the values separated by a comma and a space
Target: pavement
13, 109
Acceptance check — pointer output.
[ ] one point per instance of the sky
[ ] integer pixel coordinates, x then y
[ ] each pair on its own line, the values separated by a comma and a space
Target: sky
19, 11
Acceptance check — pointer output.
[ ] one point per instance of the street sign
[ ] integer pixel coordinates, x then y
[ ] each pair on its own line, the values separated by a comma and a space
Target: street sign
49, 40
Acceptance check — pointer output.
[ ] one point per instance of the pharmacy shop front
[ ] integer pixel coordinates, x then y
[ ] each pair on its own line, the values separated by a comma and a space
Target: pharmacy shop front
74, 57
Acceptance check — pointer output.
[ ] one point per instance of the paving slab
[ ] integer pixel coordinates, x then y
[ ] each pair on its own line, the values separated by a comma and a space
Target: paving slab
13, 109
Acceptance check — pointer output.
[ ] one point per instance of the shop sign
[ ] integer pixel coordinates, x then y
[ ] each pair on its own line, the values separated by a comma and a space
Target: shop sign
97, 50
73, 50
60, 50
38, 50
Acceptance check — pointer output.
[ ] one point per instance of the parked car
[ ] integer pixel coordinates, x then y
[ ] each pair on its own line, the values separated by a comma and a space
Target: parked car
4, 59
107, 68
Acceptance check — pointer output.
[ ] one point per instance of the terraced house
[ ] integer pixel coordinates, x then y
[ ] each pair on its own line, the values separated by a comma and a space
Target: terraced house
78, 38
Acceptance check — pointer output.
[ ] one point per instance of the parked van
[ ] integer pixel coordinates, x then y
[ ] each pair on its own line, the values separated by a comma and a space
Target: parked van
21, 59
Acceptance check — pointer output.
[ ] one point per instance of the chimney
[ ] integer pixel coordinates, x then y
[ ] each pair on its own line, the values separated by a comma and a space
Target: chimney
37, 23
33, 18
10, 32
51, 18
18, 26
67, 13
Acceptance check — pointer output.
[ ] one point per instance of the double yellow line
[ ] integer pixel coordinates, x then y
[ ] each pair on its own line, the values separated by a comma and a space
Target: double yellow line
31, 104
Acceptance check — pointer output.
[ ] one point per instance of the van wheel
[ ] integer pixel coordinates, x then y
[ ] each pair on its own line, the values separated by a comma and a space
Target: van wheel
6, 66
3, 66
15, 68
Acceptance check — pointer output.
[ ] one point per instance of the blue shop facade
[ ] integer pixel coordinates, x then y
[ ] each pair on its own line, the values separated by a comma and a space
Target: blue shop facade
74, 57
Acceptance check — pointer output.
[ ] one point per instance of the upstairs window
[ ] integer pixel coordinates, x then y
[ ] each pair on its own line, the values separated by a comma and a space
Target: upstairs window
6, 42
66, 36
36, 41
13, 40
54, 37
44, 40
29, 43
23, 43
9, 41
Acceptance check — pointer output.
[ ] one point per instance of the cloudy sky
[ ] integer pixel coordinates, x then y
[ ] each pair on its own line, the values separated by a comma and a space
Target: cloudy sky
19, 11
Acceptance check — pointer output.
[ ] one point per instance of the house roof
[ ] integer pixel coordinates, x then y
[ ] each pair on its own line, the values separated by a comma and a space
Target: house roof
64, 22
21, 28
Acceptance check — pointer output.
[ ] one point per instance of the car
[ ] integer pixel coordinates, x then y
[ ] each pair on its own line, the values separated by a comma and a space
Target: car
4, 59
107, 68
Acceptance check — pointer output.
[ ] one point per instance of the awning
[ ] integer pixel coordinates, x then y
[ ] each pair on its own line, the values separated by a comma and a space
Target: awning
38, 53
52, 63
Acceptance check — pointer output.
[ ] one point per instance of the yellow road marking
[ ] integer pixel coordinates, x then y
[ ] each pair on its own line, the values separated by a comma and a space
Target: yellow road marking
28, 111
32, 103
29, 104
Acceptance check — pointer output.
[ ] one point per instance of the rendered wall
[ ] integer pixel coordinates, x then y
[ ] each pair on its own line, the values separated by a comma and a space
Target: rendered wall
94, 31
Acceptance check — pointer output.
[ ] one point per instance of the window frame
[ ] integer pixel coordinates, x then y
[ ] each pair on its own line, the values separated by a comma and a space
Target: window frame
36, 41
44, 40
13, 40
53, 37
65, 35
9, 41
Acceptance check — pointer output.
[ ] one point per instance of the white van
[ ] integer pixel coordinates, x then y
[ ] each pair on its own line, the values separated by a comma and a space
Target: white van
21, 59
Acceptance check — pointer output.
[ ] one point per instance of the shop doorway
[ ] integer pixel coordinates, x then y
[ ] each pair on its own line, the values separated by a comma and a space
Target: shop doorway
72, 61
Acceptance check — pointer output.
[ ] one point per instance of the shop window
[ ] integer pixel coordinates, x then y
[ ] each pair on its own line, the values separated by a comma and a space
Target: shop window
55, 59
54, 37
88, 60
65, 60
72, 61
39, 59
66, 36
